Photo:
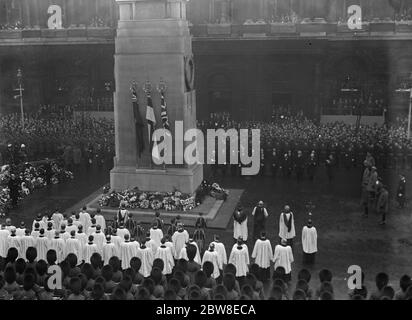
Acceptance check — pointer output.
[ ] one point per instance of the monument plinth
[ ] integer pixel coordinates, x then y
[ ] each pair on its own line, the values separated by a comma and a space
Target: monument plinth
153, 44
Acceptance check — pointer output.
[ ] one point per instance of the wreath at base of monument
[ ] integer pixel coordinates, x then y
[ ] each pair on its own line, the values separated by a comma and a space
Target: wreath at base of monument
168, 201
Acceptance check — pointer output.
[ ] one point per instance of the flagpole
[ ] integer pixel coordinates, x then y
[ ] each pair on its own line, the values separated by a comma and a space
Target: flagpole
161, 88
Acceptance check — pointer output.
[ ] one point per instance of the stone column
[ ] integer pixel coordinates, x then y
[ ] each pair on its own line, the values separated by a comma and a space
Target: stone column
152, 43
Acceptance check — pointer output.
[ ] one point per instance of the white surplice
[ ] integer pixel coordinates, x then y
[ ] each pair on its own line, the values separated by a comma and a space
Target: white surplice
240, 259
4, 233
164, 253
74, 246
283, 257
262, 253
26, 242
183, 253
58, 245
127, 252
283, 230
42, 246
109, 250
213, 257
309, 240
179, 240
221, 251
146, 256
88, 251
156, 235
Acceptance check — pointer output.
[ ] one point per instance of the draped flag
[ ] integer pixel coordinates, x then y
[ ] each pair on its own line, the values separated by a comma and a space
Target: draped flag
139, 125
151, 123
163, 112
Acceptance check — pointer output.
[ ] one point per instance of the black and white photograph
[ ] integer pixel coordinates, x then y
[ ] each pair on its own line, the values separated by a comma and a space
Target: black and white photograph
219, 153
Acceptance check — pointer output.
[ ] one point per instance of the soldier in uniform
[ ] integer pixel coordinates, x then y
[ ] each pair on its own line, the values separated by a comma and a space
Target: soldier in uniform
401, 192
299, 166
275, 162
330, 162
312, 166
364, 193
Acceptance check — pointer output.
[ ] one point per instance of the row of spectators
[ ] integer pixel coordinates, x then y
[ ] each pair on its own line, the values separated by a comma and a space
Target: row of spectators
356, 106
49, 137
94, 22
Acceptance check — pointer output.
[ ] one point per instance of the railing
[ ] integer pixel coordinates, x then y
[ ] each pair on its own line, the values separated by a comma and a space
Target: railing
89, 32
301, 29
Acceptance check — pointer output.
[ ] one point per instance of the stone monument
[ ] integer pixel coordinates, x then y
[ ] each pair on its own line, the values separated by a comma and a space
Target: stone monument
153, 45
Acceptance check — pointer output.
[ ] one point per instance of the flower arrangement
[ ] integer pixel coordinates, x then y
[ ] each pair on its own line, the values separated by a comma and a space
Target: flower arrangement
30, 177
169, 201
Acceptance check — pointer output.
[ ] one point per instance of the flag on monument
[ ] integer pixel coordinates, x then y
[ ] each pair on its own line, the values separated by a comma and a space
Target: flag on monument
151, 123
163, 112
150, 117
138, 122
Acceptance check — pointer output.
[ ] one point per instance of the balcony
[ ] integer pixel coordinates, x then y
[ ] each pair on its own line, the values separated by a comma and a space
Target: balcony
93, 34
321, 28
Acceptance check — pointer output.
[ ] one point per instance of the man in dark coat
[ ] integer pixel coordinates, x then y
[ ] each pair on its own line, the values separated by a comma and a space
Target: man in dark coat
299, 166
401, 192
260, 215
383, 204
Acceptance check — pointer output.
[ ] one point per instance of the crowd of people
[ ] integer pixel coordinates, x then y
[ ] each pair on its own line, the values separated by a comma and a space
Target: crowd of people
355, 106
297, 144
96, 260
76, 140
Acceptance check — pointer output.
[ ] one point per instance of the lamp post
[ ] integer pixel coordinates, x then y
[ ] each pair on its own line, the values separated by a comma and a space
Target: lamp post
20, 95
403, 90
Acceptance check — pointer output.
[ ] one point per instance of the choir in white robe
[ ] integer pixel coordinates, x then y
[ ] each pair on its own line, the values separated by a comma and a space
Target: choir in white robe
183, 254
57, 218
117, 242
262, 253
4, 233
146, 256
283, 257
74, 246
99, 240
90, 230
42, 246
83, 242
240, 259
164, 253
283, 230
179, 239
35, 233
41, 222
121, 232
70, 228
109, 250
152, 245
221, 251
171, 246
309, 240
100, 221
20, 232
156, 235
27, 242
58, 245
89, 249
126, 254
240, 230
64, 235
50, 233
85, 220
213, 257
14, 242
